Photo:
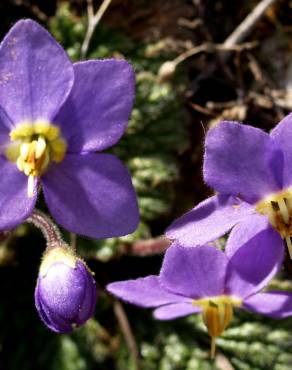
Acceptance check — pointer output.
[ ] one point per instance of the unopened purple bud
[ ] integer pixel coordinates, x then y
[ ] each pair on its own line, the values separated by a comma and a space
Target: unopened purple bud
65, 295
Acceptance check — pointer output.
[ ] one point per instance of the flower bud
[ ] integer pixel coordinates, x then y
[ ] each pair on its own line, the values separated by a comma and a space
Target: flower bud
65, 295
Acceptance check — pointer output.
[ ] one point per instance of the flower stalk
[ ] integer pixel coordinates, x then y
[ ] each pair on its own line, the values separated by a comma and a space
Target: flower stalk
49, 230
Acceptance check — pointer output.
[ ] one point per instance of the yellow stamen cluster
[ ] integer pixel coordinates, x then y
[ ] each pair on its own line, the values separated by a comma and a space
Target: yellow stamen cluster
33, 147
217, 313
278, 208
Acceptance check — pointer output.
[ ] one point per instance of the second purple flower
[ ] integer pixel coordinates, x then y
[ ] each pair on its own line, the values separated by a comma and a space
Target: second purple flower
251, 171
206, 280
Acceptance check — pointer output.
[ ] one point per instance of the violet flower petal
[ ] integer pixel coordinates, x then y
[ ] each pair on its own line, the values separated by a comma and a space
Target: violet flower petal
97, 111
51, 323
36, 75
92, 194
193, 272
144, 292
60, 296
51, 320
5, 122
244, 231
255, 263
40, 309
173, 311
242, 161
89, 300
15, 205
57, 323
274, 304
209, 220
282, 135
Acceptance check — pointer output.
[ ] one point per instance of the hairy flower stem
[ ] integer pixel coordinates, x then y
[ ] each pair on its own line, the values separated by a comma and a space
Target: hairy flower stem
48, 229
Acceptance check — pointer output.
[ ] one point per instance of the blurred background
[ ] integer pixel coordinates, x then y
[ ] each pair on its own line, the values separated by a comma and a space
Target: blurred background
191, 71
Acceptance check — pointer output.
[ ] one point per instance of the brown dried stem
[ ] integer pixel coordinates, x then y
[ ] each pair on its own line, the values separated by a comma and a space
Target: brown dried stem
93, 20
246, 26
127, 331
148, 247
209, 47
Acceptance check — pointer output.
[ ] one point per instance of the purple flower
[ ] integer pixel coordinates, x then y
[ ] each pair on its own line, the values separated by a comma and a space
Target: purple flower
55, 118
208, 281
65, 295
252, 172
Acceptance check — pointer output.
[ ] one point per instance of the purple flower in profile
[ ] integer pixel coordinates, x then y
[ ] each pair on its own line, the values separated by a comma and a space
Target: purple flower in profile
65, 295
252, 173
55, 118
208, 281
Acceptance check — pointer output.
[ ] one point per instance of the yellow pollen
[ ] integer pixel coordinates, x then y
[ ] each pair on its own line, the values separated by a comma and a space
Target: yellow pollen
217, 313
40, 147
278, 208
24, 150
33, 146
30, 186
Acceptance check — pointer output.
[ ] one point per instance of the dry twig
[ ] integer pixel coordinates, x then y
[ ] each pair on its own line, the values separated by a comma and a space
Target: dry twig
230, 44
167, 69
35, 10
201, 109
127, 331
247, 25
148, 247
209, 48
93, 20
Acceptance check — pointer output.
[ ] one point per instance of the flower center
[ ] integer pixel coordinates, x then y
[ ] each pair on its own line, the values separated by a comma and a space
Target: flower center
33, 147
278, 209
217, 313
